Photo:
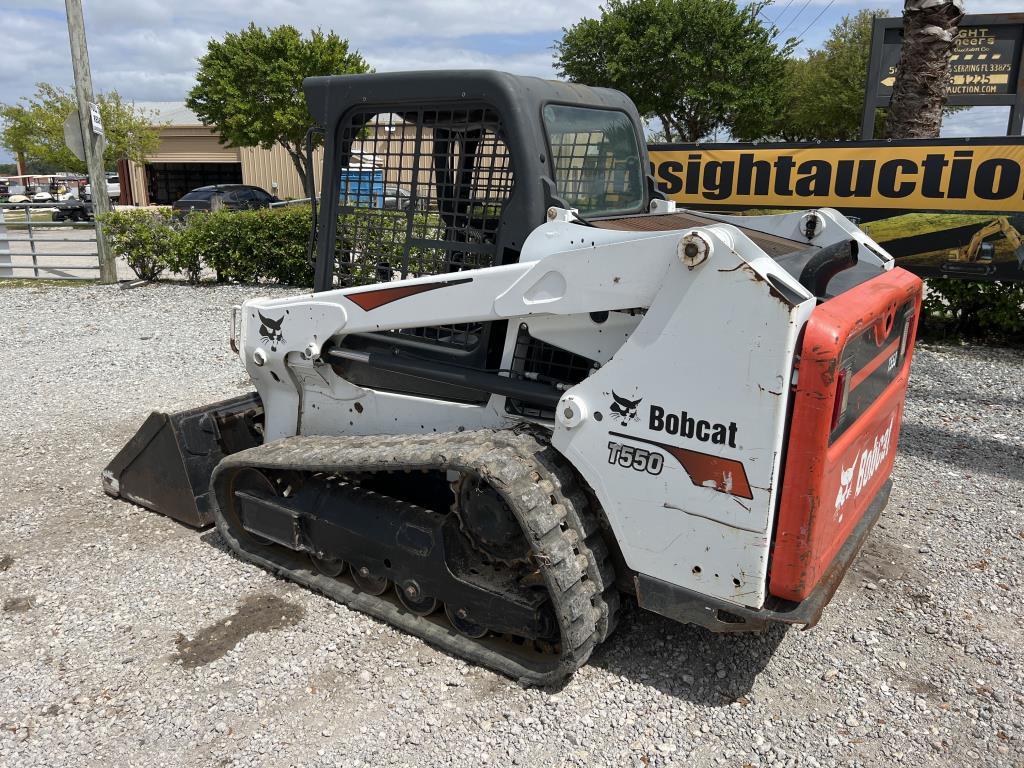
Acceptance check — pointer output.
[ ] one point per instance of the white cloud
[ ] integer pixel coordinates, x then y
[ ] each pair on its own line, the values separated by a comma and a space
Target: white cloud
384, 60
147, 49
976, 121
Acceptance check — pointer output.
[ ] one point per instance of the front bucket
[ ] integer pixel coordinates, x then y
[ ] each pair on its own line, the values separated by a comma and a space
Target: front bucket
166, 466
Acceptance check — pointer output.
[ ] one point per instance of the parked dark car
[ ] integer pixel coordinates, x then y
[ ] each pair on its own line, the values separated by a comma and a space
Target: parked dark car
397, 198
234, 197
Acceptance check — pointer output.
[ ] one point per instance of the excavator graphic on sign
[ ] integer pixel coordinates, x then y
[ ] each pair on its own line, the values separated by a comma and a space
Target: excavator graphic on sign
980, 249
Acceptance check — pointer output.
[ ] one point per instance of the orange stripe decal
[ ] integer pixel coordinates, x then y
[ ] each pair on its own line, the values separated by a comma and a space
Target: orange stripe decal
871, 367
706, 470
368, 300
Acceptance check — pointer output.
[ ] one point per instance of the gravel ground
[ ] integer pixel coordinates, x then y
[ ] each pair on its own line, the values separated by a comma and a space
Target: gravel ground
127, 639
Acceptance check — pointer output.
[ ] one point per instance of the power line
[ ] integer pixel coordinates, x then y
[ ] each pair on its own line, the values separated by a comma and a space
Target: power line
798, 14
800, 36
781, 14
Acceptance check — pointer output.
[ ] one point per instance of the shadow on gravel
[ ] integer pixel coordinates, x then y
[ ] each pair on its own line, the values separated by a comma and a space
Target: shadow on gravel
963, 451
686, 661
212, 537
256, 613
19, 604
683, 661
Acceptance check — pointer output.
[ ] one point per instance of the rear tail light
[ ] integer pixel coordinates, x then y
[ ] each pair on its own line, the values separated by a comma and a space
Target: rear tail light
842, 398
908, 320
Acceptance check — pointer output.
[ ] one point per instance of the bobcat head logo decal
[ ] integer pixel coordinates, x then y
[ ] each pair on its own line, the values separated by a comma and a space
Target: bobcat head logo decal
624, 409
270, 331
845, 487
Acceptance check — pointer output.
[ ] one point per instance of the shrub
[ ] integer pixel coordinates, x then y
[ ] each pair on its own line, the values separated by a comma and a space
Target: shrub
991, 311
145, 238
270, 244
242, 246
281, 238
252, 246
186, 256
371, 242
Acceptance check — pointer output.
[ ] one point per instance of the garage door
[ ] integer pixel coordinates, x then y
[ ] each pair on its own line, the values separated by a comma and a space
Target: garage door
168, 182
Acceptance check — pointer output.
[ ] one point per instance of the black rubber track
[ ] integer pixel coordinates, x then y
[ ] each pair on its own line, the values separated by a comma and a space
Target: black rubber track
534, 481
560, 481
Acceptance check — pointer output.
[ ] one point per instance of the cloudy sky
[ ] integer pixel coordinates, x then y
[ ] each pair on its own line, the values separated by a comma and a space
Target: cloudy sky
147, 49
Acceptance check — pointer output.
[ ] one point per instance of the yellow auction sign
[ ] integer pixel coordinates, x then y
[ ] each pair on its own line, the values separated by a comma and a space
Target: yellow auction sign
954, 175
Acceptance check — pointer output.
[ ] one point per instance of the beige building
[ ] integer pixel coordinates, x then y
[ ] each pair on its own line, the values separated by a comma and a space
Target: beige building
190, 155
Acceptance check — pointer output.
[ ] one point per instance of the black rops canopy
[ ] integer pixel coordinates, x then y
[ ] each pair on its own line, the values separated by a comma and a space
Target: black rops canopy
518, 101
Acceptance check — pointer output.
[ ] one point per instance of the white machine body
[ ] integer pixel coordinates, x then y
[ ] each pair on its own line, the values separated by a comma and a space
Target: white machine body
679, 430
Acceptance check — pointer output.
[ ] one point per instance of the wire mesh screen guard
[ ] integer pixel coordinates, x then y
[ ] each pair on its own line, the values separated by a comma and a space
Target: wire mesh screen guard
538, 360
420, 193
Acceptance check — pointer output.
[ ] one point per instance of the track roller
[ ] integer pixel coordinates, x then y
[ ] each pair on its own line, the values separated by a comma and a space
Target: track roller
369, 582
414, 601
328, 566
461, 620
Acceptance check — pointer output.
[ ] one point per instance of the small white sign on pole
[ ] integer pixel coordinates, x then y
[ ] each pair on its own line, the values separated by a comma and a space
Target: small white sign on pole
97, 123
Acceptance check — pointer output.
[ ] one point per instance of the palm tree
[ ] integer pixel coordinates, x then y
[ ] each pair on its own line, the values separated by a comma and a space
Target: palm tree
919, 93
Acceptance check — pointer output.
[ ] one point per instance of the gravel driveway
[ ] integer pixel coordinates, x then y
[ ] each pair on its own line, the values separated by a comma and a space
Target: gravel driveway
127, 639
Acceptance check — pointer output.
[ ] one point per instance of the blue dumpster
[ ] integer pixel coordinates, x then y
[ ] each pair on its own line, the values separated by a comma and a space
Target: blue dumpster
362, 186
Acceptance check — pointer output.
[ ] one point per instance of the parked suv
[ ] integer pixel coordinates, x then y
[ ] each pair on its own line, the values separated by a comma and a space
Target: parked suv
113, 189
234, 197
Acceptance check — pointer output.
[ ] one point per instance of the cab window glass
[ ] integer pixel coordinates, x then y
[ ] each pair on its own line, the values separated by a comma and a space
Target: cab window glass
595, 158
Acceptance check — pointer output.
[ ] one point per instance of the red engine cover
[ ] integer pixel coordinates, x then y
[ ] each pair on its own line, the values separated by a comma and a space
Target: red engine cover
847, 408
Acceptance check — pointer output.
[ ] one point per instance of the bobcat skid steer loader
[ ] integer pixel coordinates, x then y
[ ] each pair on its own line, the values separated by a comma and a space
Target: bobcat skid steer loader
525, 385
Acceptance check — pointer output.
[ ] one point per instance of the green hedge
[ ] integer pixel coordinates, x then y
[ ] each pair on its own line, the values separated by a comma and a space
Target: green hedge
989, 311
269, 244
241, 246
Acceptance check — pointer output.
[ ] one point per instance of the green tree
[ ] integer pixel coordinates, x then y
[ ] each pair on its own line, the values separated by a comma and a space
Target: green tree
825, 92
825, 89
697, 66
16, 134
33, 129
249, 85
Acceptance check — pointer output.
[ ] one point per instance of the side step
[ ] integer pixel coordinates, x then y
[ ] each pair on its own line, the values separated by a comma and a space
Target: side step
167, 465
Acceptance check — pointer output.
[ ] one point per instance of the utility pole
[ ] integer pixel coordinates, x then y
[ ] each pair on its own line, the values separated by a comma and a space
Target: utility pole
91, 137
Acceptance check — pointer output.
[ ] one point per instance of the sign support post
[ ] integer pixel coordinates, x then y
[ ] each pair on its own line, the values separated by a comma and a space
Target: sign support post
92, 135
